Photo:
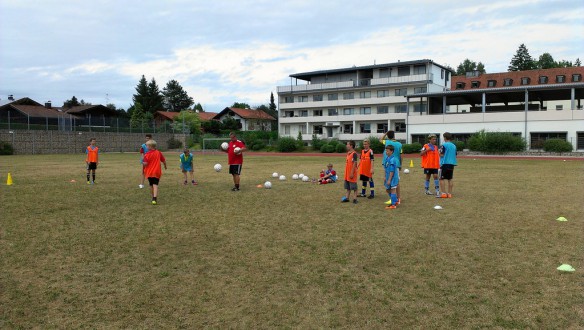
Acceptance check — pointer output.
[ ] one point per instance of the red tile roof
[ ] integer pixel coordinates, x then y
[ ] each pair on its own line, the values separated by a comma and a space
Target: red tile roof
206, 116
516, 76
37, 111
250, 113
169, 115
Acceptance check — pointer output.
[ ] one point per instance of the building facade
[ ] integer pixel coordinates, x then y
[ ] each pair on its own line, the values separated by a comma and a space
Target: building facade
355, 103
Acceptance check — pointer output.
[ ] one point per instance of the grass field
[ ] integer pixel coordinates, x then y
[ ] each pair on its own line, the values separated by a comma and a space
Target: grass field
80, 256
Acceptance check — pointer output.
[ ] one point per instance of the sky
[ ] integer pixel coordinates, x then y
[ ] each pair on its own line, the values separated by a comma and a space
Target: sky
223, 52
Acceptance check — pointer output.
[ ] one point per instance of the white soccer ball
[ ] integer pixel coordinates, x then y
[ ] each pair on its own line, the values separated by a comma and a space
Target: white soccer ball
268, 185
406, 171
237, 150
294, 176
305, 178
217, 167
300, 176
224, 145
275, 175
282, 178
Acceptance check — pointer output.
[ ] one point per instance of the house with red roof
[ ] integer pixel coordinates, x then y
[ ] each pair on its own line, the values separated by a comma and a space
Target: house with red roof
248, 119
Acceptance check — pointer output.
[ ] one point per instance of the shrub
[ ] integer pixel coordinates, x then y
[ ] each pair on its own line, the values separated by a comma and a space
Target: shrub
460, 145
476, 142
496, 142
557, 145
6, 148
340, 148
258, 145
327, 148
287, 144
174, 143
375, 144
411, 148
316, 142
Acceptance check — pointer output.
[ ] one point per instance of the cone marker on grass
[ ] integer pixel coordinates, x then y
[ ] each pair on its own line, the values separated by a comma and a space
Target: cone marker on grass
9, 180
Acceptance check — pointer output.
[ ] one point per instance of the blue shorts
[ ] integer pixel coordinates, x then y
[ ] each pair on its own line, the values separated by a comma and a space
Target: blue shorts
186, 168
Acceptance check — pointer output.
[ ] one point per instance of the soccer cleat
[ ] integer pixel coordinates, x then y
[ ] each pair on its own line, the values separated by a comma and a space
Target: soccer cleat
140, 186
185, 183
88, 182
195, 183
361, 195
354, 201
92, 182
154, 203
389, 207
344, 200
398, 201
444, 195
388, 202
428, 192
234, 189
370, 197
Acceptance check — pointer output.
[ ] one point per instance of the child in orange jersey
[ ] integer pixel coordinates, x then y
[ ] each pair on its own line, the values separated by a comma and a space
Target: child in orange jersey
91, 160
431, 164
351, 171
366, 171
152, 169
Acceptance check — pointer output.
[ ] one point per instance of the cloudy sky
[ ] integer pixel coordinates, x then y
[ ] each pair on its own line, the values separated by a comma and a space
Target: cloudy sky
226, 51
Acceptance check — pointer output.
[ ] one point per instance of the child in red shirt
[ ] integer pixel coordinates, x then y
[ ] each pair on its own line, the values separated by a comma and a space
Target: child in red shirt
152, 168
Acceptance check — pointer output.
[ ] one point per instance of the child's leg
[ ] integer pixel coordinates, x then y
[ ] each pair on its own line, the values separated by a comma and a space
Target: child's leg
192, 173
93, 175
88, 174
154, 191
436, 183
363, 187
371, 187
393, 196
427, 182
450, 185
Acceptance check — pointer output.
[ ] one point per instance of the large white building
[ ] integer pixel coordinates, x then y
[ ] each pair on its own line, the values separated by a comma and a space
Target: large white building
415, 98
355, 103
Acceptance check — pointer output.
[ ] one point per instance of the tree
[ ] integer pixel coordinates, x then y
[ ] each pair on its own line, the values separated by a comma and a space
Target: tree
71, 103
564, 64
522, 60
578, 63
148, 95
211, 126
137, 118
241, 105
469, 66
187, 121
198, 107
229, 123
546, 61
175, 97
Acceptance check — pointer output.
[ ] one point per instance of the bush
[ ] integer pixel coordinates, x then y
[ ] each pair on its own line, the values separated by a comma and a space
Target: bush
174, 143
340, 148
459, 145
287, 144
557, 145
327, 148
374, 144
6, 148
495, 142
411, 148
316, 142
258, 145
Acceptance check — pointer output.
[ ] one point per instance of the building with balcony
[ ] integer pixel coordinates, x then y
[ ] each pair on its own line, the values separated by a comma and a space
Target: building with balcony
535, 104
355, 103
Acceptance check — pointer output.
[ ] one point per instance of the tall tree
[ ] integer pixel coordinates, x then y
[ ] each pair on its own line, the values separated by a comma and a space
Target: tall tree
148, 95
578, 63
187, 122
564, 64
522, 60
73, 102
469, 66
198, 107
546, 61
175, 97
241, 105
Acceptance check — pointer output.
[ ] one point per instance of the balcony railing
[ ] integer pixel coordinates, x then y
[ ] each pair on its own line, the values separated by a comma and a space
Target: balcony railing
361, 82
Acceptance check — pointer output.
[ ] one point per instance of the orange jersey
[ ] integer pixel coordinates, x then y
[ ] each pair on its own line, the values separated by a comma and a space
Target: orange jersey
152, 169
365, 165
92, 154
351, 166
431, 158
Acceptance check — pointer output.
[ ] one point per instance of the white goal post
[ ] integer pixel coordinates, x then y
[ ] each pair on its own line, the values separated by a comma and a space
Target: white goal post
213, 144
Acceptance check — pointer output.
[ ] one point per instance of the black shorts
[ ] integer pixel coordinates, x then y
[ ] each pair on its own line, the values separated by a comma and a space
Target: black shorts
153, 181
446, 172
235, 169
92, 166
430, 171
364, 177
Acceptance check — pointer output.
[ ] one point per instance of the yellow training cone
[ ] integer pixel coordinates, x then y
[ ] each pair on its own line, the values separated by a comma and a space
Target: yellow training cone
411, 163
9, 181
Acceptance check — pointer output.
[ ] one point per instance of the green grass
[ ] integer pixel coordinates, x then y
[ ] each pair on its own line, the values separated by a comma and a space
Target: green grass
79, 256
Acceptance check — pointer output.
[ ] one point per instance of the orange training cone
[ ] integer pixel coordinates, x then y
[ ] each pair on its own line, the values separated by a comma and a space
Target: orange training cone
411, 163
9, 181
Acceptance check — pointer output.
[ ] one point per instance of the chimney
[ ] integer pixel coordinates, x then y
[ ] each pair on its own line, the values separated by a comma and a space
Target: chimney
48, 104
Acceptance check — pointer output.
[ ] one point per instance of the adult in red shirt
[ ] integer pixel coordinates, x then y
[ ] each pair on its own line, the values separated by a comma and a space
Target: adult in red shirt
235, 158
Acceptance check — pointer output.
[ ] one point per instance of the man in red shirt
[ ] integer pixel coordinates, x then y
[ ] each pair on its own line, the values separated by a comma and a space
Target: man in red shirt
235, 158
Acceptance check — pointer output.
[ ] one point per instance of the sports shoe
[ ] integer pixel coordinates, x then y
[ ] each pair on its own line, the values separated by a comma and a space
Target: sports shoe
389, 207
388, 202
92, 182
361, 195
154, 203
344, 200
234, 189
354, 201
185, 183
449, 195
370, 197
398, 201
444, 195
88, 182
428, 192
140, 186
195, 183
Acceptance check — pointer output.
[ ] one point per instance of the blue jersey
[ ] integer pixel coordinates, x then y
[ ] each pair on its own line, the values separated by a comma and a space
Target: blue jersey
390, 166
448, 154
397, 151
333, 176
143, 150
186, 162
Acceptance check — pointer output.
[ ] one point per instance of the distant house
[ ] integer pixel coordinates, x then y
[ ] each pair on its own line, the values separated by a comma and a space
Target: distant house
248, 119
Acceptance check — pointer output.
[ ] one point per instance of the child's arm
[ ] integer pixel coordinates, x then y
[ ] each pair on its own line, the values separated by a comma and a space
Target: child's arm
389, 179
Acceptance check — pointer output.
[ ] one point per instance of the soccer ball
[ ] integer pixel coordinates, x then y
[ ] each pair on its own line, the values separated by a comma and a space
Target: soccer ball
224, 145
217, 167
406, 171
268, 185
305, 178
300, 176
237, 150
275, 175
294, 176
282, 178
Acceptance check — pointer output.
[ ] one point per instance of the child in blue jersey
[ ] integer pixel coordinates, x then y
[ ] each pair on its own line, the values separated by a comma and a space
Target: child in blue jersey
143, 151
186, 165
447, 163
328, 176
391, 177
389, 139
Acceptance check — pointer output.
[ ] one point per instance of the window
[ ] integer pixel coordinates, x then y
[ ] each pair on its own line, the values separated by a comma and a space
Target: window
365, 128
348, 128
508, 82
288, 113
400, 126
287, 129
491, 83
420, 107
303, 98
302, 129
289, 99
420, 90
543, 79
403, 71
382, 128
382, 109
537, 139
365, 95
317, 129
559, 107
576, 77
560, 79
348, 96
365, 111
317, 98
317, 113
333, 112
401, 92
475, 84
460, 85
442, 74
580, 140
303, 113
525, 80
348, 111
401, 108
384, 73
333, 97
419, 69
382, 93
